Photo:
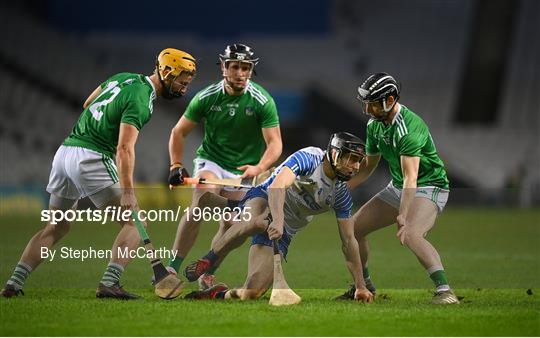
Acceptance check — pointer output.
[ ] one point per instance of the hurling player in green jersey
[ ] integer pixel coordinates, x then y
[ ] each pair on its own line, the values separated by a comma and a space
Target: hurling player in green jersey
84, 165
419, 188
241, 139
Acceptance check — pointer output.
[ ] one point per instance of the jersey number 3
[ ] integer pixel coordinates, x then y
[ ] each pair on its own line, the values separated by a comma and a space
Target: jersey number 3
95, 107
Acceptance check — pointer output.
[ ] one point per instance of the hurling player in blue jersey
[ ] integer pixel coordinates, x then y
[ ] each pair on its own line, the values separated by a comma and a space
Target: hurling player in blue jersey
308, 183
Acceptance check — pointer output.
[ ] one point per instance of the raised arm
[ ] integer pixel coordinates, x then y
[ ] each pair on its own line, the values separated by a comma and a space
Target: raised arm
352, 258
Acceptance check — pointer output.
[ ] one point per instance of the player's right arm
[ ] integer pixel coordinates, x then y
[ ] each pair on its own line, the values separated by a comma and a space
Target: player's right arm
367, 167
125, 161
372, 159
276, 200
192, 116
178, 137
92, 97
352, 257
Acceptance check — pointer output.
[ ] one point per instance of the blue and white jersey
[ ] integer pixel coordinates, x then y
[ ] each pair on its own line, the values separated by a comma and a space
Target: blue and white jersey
313, 192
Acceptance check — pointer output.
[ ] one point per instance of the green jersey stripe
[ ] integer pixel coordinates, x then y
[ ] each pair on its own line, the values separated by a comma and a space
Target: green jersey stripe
211, 92
257, 94
211, 87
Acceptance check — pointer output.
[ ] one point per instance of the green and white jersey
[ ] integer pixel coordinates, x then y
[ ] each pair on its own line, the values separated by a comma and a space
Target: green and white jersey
232, 124
407, 135
125, 98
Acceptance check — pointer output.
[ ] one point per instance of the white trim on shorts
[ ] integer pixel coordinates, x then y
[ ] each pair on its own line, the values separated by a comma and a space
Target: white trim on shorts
79, 172
202, 164
392, 195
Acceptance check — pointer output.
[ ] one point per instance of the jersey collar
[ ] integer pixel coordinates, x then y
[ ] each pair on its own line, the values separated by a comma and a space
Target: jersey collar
397, 114
151, 84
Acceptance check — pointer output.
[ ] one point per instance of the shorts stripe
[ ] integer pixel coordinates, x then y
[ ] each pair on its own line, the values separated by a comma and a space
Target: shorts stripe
110, 169
435, 194
113, 169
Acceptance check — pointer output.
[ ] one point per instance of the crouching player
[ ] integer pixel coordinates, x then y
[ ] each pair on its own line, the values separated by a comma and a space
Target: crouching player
308, 183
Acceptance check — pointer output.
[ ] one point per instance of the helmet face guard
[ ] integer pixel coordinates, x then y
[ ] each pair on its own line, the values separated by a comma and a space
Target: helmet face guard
240, 53
345, 152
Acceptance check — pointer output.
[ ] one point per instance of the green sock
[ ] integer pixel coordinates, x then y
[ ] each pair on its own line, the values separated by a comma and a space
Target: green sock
20, 273
212, 270
112, 274
176, 262
365, 272
439, 279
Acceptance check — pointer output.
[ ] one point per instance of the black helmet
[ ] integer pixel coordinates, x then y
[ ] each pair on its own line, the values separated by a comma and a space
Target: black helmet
377, 88
239, 52
344, 143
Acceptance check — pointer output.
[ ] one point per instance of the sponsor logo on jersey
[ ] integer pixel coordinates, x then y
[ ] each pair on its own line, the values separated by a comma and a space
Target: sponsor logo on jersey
215, 108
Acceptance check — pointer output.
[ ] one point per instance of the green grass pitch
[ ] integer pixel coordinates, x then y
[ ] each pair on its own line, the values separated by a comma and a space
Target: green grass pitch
492, 257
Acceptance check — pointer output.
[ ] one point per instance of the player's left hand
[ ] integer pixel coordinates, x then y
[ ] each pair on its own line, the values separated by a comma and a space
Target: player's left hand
275, 230
402, 228
363, 295
250, 170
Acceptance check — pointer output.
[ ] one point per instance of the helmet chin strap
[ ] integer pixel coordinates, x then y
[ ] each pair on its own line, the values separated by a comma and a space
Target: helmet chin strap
167, 91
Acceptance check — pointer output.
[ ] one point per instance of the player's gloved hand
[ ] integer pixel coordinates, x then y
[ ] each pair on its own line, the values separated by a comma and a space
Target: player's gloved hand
177, 174
363, 295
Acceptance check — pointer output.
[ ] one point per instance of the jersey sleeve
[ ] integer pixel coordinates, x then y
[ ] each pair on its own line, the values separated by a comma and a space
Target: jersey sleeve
195, 111
138, 108
412, 144
371, 143
268, 117
302, 162
343, 203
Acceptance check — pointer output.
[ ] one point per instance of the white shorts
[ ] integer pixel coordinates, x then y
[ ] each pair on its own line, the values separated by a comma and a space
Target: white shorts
202, 164
79, 172
392, 195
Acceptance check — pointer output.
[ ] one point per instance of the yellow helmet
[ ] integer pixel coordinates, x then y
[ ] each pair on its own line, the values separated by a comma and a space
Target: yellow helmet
176, 61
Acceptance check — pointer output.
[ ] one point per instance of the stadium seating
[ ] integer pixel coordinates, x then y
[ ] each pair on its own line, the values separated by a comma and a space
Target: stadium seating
421, 43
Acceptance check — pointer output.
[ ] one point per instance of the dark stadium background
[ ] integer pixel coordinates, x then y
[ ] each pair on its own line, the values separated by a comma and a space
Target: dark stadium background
469, 68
